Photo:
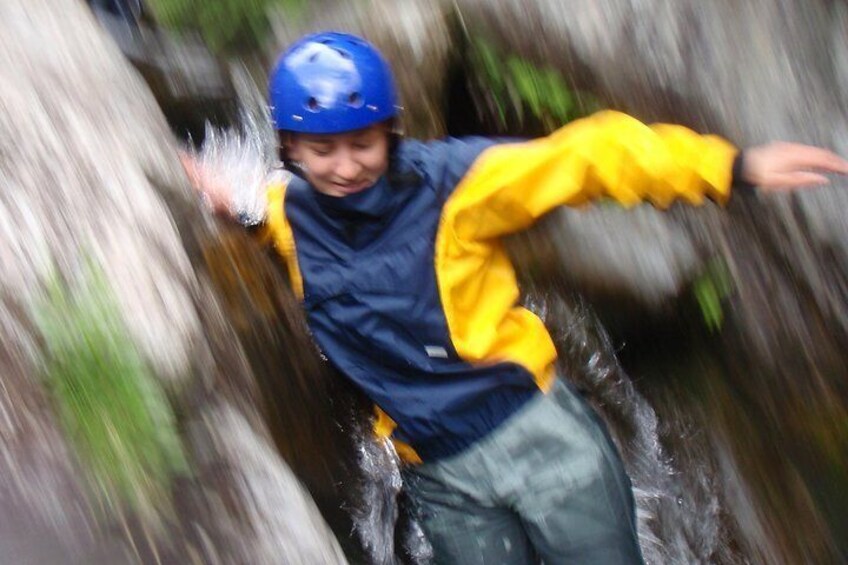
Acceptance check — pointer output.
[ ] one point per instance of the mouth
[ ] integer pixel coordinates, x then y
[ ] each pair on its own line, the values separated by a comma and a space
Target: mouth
351, 188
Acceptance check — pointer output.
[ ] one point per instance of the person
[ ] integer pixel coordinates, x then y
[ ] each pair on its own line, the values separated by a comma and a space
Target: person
393, 246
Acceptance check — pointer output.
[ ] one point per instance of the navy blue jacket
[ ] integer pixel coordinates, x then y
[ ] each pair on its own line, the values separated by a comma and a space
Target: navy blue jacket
372, 303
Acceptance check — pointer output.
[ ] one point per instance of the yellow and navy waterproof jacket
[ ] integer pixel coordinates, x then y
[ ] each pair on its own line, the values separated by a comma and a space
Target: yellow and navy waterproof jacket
409, 292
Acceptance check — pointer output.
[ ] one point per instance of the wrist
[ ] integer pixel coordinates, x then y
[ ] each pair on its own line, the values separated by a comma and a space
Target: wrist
739, 181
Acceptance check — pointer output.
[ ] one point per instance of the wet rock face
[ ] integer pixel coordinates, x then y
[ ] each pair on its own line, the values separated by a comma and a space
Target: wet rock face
90, 177
190, 85
765, 70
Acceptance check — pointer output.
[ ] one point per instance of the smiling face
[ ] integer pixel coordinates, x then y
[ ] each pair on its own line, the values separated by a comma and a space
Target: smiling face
340, 164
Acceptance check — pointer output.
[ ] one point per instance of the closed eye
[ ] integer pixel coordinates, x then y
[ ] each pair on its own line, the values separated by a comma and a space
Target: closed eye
321, 150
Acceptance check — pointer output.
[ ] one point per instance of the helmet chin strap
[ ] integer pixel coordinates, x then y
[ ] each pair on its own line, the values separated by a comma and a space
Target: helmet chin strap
397, 123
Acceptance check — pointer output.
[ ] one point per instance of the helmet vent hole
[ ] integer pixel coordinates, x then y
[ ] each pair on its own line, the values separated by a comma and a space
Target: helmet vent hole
344, 54
355, 100
312, 104
313, 57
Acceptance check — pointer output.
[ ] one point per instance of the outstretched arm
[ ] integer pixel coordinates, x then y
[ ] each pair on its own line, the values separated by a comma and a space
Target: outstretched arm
615, 156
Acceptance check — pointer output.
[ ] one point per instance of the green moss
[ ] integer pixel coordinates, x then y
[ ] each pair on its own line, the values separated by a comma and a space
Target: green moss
227, 26
517, 87
109, 403
711, 288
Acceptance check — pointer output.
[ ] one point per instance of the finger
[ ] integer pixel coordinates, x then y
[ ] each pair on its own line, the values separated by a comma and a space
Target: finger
793, 180
192, 169
187, 162
809, 157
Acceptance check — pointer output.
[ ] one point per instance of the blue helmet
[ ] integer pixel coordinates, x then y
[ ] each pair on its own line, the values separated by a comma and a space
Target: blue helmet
331, 83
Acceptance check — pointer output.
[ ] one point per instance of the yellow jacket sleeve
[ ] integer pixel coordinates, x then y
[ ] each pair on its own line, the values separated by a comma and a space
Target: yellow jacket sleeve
278, 232
608, 154
510, 186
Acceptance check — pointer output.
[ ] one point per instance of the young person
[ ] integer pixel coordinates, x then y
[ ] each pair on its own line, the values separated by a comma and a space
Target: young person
394, 248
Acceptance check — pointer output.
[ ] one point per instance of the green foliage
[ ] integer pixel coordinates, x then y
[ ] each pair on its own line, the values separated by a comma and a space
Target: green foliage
227, 26
710, 289
108, 401
518, 86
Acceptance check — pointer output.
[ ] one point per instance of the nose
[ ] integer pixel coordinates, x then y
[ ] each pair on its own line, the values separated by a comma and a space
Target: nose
347, 167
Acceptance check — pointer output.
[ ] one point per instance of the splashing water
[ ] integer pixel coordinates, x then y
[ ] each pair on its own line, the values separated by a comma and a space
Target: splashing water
678, 514
236, 165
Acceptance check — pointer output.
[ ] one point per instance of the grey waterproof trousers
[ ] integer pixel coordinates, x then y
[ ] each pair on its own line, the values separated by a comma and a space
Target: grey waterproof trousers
547, 485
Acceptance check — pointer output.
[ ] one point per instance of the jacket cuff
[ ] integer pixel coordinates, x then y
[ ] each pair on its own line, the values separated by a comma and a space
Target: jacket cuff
737, 181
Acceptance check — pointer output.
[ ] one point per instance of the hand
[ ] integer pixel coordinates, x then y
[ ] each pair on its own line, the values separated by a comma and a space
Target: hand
785, 166
215, 192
